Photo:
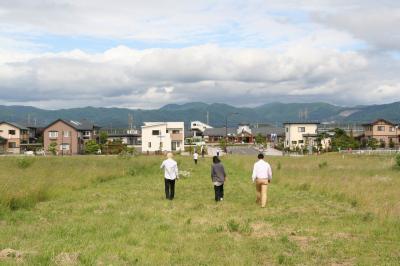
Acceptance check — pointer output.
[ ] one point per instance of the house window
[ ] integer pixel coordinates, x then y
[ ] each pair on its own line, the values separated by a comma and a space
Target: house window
53, 134
64, 147
301, 129
175, 131
287, 142
67, 134
294, 142
155, 132
11, 132
86, 133
287, 129
381, 128
149, 145
1, 131
167, 130
391, 129
301, 141
12, 145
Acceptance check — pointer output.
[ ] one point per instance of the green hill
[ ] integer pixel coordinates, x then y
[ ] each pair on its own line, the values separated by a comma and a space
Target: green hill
274, 113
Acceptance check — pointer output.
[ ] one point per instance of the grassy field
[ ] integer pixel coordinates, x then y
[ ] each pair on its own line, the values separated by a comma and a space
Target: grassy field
322, 210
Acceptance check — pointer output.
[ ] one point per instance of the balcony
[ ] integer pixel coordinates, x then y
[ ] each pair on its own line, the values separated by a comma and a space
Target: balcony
177, 136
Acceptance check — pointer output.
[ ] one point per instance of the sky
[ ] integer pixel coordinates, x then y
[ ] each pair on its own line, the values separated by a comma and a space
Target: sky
145, 54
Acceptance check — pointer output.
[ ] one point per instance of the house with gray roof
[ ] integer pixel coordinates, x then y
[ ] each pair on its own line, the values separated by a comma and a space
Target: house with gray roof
12, 135
70, 136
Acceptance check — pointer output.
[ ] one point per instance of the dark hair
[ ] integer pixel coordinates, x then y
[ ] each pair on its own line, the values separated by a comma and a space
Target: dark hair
260, 156
216, 159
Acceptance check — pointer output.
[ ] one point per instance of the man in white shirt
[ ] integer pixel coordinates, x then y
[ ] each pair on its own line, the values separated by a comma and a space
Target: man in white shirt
262, 175
170, 174
195, 157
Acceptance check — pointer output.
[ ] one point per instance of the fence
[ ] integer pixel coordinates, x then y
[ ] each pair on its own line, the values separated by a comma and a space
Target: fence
372, 152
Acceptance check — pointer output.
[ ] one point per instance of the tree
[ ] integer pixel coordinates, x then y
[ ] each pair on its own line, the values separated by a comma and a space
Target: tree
391, 143
52, 148
342, 141
372, 143
382, 143
260, 139
222, 144
91, 147
103, 137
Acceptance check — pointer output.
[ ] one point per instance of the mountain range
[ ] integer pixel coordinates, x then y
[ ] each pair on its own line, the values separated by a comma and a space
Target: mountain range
272, 113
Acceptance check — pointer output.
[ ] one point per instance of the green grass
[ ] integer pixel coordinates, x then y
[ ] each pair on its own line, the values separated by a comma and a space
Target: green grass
322, 210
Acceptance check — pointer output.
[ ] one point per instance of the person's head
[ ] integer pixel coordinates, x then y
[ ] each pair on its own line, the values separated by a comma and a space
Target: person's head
170, 155
260, 156
216, 159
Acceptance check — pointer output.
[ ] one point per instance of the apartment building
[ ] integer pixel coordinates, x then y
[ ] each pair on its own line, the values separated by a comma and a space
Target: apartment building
163, 136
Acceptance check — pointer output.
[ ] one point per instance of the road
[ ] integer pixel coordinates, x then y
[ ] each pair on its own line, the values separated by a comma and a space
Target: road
250, 150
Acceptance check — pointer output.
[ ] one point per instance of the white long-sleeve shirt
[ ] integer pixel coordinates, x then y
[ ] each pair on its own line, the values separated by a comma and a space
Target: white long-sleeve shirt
195, 156
170, 169
262, 170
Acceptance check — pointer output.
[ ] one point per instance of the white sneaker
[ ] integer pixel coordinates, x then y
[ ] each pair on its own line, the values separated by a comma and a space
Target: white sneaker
221, 199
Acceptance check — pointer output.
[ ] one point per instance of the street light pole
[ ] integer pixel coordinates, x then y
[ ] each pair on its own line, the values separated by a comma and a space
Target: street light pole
226, 130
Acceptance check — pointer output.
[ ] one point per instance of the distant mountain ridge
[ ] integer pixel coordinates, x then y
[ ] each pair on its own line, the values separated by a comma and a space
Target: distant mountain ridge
274, 113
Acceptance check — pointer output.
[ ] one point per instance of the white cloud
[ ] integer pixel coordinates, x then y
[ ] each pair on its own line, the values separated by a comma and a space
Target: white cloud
377, 26
129, 77
237, 52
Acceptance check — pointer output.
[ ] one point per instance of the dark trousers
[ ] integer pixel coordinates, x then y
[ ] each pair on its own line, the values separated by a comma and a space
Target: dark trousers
169, 188
219, 192
195, 161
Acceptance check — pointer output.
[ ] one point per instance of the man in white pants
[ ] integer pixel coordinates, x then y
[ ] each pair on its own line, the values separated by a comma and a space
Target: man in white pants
170, 174
262, 175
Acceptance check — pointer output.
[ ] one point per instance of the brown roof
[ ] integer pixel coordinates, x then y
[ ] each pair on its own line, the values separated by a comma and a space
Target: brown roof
80, 126
379, 120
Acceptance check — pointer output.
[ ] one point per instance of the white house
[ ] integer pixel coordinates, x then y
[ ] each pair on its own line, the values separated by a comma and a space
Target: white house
198, 127
300, 134
163, 136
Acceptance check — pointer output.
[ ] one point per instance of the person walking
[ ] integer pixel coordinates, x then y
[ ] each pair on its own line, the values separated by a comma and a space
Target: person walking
195, 157
170, 175
262, 175
218, 177
202, 151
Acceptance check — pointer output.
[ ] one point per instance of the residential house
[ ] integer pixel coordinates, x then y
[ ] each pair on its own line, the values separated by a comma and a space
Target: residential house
214, 135
198, 128
384, 131
300, 135
70, 136
163, 136
12, 135
269, 133
244, 133
130, 137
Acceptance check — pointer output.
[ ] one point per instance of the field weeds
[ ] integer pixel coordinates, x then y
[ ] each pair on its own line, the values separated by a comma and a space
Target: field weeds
101, 210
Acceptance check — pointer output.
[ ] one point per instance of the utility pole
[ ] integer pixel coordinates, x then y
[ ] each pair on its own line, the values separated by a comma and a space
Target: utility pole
226, 130
130, 121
